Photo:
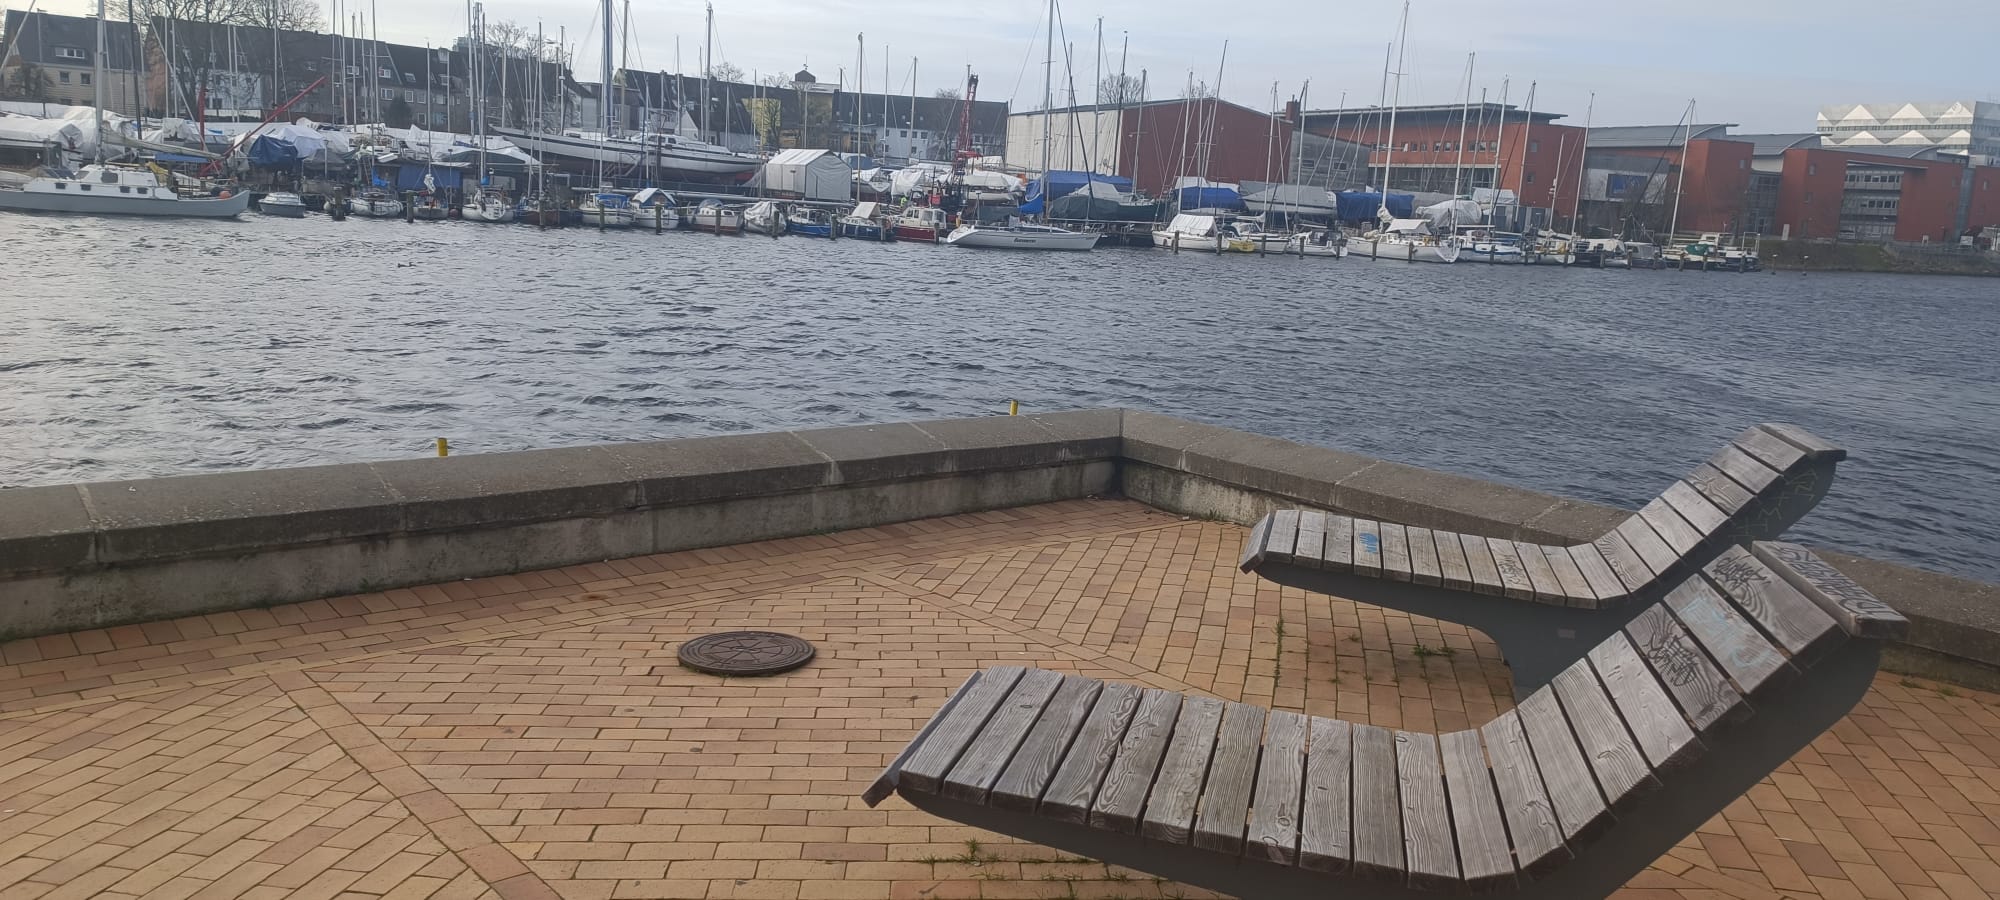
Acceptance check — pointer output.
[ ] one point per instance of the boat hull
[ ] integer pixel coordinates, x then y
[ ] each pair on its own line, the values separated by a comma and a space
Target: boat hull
1402, 251
291, 210
727, 222
621, 153
861, 232
1007, 239
494, 214
923, 234
376, 209
109, 205
430, 213
809, 229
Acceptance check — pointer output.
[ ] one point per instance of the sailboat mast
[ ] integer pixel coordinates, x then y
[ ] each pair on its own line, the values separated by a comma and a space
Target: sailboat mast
1583, 155
1138, 128
1527, 133
860, 83
1464, 113
1500, 142
1271, 132
707, 64
885, 96
97, 81
1097, 97
1388, 160
1687, 134
1299, 137
604, 99
1214, 112
913, 108
1048, 94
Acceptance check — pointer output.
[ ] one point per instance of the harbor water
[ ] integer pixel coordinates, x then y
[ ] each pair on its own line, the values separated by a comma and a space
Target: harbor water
137, 348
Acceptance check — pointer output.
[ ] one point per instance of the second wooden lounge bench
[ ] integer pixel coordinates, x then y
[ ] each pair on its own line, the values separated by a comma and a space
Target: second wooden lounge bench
1567, 797
1545, 603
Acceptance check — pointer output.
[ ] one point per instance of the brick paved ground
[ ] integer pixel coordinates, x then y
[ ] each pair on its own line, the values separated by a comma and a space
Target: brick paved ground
529, 736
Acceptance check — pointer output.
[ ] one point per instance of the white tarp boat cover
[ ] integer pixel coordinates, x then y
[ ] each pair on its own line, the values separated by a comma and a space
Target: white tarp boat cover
1289, 198
28, 132
918, 179
1191, 224
1408, 226
1453, 213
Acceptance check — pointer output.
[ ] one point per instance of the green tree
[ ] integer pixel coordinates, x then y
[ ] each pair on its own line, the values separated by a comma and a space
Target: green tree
398, 114
28, 83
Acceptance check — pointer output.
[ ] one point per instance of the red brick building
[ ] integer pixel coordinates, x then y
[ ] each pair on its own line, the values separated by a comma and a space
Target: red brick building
1868, 197
1482, 145
1157, 142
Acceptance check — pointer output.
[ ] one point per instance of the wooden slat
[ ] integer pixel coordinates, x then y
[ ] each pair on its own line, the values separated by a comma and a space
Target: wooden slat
1424, 557
1576, 591
1451, 561
1395, 552
1603, 581
1624, 561
1368, 547
1034, 765
1475, 814
1479, 560
1074, 786
1538, 840
1698, 510
989, 753
885, 783
1720, 489
1743, 469
1655, 722
1572, 789
1859, 612
1284, 535
1647, 543
1706, 698
1338, 555
951, 738
1253, 546
1429, 850
1311, 549
1679, 535
1621, 770
1513, 575
1275, 806
1378, 810
1547, 588
1795, 623
1326, 826
1130, 778
1812, 444
1176, 794
1745, 656
1770, 449
1225, 803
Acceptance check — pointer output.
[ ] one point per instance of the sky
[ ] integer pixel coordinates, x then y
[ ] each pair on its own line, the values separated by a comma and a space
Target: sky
1765, 66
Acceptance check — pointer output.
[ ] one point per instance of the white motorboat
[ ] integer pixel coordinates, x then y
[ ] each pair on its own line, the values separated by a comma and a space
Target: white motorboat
1405, 240
1317, 242
1021, 236
487, 206
764, 217
1484, 245
671, 155
654, 207
1203, 233
922, 224
283, 204
712, 216
606, 209
376, 204
116, 191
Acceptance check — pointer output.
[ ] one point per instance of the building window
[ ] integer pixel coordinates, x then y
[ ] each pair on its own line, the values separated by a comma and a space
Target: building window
1529, 178
410, 96
1809, 196
62, 77
353, 70
438, 100
384, 74
85, 76
388, 93
409, 78
1534, 146
69, 53
1812, 169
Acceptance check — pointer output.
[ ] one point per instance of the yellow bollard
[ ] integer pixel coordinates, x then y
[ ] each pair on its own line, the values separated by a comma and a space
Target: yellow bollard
444, 446
1013, 407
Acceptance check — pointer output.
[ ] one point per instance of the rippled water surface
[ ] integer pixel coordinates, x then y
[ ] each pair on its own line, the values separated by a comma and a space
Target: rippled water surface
135, 348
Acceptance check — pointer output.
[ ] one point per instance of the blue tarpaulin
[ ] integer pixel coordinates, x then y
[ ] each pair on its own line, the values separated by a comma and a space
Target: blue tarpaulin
411, 178
1217, 198
1360, 206
270, 151
1061, 183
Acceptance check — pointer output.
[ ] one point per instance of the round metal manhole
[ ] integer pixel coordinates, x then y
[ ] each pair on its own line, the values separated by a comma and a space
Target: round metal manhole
745, 653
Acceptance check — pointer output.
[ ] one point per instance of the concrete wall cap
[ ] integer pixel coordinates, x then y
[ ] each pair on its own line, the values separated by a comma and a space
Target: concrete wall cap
483, 489
44, 528
233, 511
697, 470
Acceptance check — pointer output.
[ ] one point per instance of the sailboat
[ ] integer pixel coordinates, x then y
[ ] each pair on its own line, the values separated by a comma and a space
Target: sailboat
1404, 240
1018, 235
104, 189
482, 205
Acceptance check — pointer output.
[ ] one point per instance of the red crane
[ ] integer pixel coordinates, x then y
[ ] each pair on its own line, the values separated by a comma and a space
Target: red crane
963, 154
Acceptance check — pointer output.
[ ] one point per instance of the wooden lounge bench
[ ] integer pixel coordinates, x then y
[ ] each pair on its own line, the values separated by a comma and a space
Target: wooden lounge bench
1547, 603
1591, 778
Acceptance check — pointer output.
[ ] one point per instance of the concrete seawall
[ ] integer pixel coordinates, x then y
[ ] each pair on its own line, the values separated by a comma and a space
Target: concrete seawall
107, 553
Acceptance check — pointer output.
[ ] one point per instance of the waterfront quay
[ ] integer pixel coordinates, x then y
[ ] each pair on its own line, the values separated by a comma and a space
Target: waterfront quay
482, 700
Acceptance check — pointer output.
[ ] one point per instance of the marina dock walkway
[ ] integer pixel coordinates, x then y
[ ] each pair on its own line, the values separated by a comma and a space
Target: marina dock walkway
531, 735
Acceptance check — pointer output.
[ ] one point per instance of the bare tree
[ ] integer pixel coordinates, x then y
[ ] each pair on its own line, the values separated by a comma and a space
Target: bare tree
950, 94
776, 81
726, 71
1118, 90
291, 15
1197, 91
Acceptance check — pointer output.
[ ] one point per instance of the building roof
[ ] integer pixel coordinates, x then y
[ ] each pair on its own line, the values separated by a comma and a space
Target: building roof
1448, 112
1634, 136
36, 36
1775, 144
1081, 108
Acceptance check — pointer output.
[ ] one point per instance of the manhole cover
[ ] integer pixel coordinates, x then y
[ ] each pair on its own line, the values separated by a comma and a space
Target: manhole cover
745, 653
